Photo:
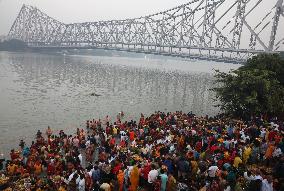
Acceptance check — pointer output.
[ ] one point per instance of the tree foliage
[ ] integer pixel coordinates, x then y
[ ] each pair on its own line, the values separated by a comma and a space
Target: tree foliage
253, 89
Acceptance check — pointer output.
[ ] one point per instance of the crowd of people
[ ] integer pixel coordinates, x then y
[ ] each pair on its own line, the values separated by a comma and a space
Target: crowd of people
172, 151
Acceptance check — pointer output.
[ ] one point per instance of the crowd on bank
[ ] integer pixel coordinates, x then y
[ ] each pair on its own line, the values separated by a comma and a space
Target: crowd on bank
171, 151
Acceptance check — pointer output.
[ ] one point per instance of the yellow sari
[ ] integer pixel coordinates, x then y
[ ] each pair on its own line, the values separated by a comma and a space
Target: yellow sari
246, 154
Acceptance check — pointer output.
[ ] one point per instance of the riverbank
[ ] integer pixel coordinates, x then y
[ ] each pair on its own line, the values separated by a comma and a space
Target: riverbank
162, 151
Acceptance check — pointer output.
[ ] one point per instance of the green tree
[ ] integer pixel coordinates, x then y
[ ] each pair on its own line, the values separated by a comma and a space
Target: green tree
253, 89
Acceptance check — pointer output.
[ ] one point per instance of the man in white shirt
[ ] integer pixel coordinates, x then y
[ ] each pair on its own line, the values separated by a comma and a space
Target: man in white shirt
244, 137
88, 143
130, 168
248, 176
212, 171
172, 148
71, 176
188, 147
98, 139
277, 152
90, 171
153, 174
233, 142
81, 159
169, 138
149, 147
263, 133
123, 136
267, 184
81, 184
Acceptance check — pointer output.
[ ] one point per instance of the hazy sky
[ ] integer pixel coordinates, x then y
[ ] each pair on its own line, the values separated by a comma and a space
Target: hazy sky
70, 11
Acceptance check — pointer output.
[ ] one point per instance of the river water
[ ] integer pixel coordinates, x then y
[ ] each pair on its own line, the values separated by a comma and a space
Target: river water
37, 90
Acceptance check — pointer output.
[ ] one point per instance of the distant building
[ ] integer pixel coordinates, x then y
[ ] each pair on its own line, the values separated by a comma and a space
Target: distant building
3, 38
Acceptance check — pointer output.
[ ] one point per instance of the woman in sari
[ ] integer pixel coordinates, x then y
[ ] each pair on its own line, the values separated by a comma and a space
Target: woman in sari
180, 143
172, 183
89, 153
134, 179
37, 168
120, 179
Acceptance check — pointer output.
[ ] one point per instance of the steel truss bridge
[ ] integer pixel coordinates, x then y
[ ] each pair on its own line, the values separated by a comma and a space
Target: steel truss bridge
220, 30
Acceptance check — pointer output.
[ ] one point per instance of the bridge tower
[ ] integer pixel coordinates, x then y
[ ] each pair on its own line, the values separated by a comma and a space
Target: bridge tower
279, 11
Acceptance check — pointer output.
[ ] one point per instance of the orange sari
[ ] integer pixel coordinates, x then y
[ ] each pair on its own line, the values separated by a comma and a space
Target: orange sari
37, 168
120, 178
134, 179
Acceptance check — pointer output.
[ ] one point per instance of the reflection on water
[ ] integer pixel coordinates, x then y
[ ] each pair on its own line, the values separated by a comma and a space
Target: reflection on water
37, 90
